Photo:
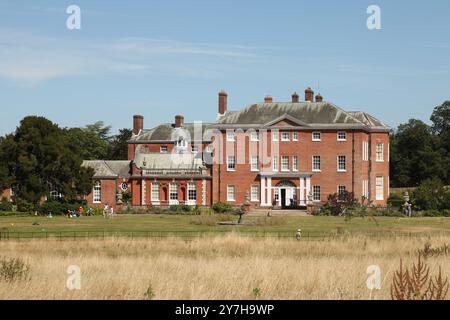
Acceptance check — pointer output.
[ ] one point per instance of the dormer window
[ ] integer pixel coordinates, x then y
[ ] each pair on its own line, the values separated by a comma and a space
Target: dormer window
163, 149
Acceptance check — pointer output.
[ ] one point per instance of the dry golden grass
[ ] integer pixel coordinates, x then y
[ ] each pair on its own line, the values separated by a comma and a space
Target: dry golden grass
221, 267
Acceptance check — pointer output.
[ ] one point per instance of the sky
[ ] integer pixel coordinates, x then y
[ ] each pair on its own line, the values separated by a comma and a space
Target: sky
162, 58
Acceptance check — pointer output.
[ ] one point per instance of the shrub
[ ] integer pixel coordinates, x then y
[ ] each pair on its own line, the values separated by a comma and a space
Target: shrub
338, 204
395, 200
25, 206
431, 195
222, 207
5, 205
13, 269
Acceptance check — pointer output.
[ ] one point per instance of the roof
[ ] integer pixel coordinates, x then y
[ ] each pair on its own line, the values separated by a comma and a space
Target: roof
167, 132
109, 169
168, 161
312, 115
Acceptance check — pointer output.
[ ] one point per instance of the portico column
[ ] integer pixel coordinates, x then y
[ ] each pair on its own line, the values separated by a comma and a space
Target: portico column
143, 203
308, 186
263, 191
302, 191
269, 191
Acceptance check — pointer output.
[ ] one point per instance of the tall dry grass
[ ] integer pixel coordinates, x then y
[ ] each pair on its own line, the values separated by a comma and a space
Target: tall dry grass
222, 267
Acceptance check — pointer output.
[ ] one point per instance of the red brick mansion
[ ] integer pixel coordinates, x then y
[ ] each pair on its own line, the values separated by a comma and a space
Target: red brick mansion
290, 154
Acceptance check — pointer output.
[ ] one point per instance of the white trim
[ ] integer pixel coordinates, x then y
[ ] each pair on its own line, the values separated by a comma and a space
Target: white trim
228, 193
284, 133
254, 187
379, 196
341, 139
382, 152
256, 164
228, 163
315, 139
295, 134
228, 134
312, 164
345, 164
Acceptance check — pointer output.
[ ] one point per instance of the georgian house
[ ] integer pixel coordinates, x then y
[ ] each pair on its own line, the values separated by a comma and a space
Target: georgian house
287, 154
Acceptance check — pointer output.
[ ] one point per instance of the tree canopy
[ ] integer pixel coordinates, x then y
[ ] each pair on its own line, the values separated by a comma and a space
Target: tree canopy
39, 158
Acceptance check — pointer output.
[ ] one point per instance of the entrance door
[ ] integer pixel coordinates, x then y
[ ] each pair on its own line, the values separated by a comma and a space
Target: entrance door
289, 196
283, 198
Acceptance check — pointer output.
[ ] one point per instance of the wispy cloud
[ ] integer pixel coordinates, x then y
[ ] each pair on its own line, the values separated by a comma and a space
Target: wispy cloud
29, 59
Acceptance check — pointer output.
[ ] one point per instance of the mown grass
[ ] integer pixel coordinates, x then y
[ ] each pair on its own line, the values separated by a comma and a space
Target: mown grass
186, 223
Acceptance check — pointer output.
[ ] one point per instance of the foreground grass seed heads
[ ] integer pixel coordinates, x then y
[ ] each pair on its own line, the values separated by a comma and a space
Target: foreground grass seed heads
221, 267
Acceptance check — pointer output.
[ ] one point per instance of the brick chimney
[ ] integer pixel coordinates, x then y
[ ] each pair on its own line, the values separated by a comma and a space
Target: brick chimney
295, 97
222, 102
268, 99
309, 95
319, 98
138, 124
179, 121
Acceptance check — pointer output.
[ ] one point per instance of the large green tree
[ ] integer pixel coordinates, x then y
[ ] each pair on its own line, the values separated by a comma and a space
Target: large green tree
39, 158
118, 145
415, 155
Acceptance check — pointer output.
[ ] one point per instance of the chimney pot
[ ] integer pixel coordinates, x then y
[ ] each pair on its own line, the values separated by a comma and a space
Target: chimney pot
138, 124
319, 98
179, 121
295, 97
309, 95
268, 99
223, 96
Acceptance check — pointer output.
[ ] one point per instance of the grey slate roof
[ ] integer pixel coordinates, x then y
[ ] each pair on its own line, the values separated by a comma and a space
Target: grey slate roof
164, 132
316, 115
109, 169
167, 161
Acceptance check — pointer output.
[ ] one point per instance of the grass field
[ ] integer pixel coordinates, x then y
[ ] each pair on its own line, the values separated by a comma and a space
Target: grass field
214, 267
314, 226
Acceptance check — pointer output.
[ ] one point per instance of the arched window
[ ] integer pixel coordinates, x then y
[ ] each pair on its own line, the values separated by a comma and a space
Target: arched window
97, 194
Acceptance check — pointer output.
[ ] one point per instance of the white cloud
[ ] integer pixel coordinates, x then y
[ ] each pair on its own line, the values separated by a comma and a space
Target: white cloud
30, 59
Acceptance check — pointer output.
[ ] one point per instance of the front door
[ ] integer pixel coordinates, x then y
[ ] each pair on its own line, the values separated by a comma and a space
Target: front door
283, 198
289, 196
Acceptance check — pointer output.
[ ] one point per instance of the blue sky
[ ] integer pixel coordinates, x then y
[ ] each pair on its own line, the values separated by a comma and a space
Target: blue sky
161, 58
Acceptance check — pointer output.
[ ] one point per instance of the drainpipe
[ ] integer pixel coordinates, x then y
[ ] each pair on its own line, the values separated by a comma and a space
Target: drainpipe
353, 162
370, 168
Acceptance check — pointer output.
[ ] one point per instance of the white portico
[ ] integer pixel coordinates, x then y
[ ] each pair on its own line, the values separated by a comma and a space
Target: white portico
286, 189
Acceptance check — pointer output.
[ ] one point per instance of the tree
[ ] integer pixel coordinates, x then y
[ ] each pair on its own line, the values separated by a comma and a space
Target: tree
89, 143
118, 145
441, 128
40, 158
415, 155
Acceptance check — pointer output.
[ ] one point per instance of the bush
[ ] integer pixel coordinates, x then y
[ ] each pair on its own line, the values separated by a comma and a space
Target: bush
25, 206
395, 200
5, 205
60, 206
222, 207
339, 203
13, 269
431, 195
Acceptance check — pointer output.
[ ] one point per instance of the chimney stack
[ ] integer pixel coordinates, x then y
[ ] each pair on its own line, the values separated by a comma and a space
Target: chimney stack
179, 121
268, 99
138, 124
319, 98
309, 95
295, 97
222, 102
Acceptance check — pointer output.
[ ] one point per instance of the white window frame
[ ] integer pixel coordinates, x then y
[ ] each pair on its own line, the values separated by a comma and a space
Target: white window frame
155, 192
340, 138
275, 135
295, 136
231, 163
283, 136
173, 193
275, 163
379, 188
365, 189
192, 190
295, 163
254, 136
313, 164
231, 137
339, 189
339, 163
231, 195
315, 193
379, 153
315, 138
163, 149
254, 193
285, 166
365, 151
254, 163
97, 192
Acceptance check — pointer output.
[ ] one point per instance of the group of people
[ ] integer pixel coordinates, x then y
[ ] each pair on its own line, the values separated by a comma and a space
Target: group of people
76, 214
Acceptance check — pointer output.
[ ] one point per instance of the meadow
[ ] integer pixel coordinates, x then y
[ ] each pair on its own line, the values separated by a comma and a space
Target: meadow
225, 263
215, 267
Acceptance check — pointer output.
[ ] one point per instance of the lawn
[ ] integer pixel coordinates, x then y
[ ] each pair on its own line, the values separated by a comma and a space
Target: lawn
313, 226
